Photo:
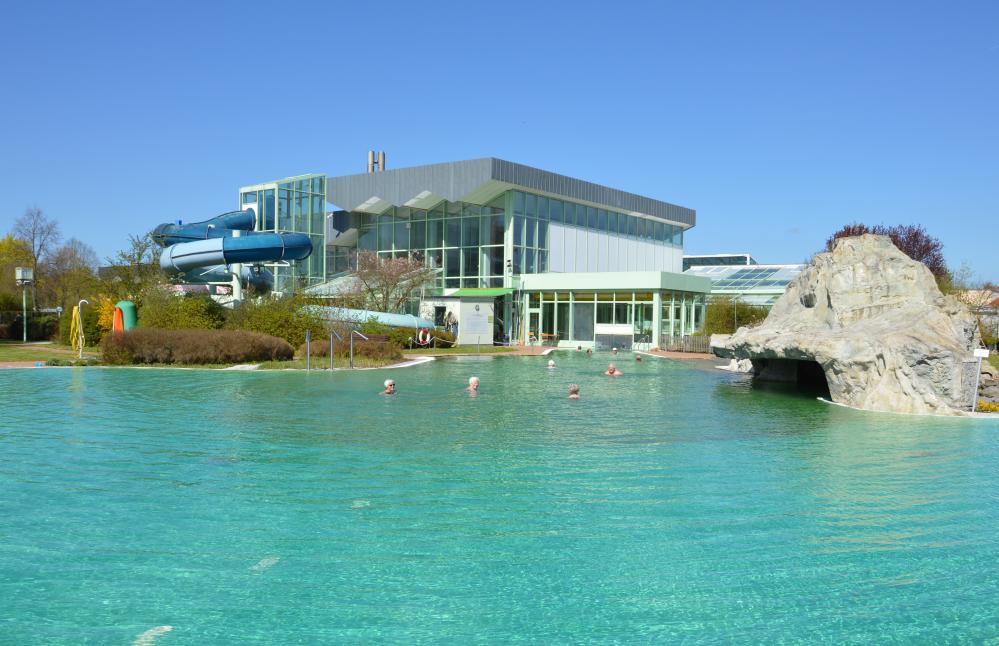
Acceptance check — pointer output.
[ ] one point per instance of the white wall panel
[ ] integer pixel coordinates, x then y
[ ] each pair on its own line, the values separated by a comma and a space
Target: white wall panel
572, 249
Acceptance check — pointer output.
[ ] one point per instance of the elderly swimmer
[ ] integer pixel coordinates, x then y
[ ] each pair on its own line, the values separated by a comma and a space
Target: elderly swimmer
573, 391
612, 371
473, 385
389, 387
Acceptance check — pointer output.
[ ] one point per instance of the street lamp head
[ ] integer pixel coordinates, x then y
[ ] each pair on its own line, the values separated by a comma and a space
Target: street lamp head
24, 275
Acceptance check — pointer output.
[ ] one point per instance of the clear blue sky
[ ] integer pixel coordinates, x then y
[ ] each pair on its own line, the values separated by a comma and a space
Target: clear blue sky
778, 122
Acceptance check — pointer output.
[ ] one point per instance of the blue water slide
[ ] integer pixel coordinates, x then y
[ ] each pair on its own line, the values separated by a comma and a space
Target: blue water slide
213, 242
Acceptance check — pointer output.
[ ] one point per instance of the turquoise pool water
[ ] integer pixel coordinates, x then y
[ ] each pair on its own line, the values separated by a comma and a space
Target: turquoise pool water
674, 504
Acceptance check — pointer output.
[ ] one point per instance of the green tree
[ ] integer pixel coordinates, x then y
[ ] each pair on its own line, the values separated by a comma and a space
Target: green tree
133, 271
286, 318
13, 253
723, 315
165, 310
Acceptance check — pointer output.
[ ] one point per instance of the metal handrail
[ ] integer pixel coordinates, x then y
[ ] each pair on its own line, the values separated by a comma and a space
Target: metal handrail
352, 333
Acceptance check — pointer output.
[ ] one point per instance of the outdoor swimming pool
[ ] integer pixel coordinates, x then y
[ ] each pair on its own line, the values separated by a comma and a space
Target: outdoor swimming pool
674, 503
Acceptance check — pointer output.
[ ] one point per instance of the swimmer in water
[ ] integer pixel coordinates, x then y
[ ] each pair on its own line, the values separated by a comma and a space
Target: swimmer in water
389, 387
473, 385
573, 391
614, 350
638, 358
551, 364
579, 348
612, 371
589, 350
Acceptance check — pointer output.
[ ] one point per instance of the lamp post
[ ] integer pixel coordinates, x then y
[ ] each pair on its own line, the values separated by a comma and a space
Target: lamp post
24, 276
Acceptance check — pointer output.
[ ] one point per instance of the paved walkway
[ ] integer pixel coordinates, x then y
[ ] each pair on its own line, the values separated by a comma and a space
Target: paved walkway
685, 356
515, 351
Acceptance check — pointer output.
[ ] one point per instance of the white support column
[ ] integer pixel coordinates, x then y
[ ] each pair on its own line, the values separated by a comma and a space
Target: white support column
657, 318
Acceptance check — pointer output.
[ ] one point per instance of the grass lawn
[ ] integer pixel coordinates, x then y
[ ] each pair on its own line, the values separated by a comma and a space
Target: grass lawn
10, 351
994, 359
323, 363
462, 349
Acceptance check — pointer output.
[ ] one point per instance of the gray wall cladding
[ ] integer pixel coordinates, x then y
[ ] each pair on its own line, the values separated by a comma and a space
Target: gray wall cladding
455, 180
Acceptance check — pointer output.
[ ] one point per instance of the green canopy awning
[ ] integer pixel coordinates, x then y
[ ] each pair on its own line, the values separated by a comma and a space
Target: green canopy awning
483, 292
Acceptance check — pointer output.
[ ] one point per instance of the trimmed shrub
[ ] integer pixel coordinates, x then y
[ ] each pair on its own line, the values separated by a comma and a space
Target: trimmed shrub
41, 326
148, 345
164, 310
384, 351
280, 317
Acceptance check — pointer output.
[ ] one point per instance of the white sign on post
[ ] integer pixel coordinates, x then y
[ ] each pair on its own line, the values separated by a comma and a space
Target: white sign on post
982, 353
476, 324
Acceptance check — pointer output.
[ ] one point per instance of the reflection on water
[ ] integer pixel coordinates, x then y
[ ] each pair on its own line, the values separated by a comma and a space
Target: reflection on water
670, 504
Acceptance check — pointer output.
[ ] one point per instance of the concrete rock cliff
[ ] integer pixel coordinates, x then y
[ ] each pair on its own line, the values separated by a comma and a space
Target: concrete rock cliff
876, 324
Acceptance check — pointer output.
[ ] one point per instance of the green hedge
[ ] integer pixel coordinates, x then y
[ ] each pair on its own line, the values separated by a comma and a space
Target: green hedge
149, 345
387, 351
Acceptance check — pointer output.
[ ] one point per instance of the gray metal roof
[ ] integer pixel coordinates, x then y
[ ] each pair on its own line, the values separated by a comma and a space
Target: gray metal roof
480, 180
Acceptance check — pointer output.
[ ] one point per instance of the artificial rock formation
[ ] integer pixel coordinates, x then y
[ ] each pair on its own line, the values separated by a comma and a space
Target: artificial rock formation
875, 322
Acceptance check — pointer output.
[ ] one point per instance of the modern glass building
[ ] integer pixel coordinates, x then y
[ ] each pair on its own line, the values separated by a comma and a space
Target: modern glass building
553, 259
294, 204
755, 284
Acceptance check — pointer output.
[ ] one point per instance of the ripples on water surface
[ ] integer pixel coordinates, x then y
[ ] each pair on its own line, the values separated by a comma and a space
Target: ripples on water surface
673, 504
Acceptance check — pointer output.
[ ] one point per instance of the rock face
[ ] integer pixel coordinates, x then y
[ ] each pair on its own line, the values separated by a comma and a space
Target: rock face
988, 389
875, 323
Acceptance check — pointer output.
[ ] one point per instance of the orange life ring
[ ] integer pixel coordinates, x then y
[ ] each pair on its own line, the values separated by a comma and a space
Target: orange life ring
423, 337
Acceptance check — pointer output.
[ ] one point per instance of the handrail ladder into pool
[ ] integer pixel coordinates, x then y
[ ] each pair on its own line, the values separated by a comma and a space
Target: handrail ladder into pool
352, 333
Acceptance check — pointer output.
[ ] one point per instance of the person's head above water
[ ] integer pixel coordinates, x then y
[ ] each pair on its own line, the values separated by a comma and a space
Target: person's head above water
473, 384
551, 363
389, 387
614, 350
612, 370
573, 391
638, 357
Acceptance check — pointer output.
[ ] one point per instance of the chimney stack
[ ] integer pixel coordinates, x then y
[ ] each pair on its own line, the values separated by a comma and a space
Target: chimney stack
373, 164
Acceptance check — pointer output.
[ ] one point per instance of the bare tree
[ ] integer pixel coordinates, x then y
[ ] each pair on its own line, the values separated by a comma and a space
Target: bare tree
70, 273
386, 283
912, 240
41, 234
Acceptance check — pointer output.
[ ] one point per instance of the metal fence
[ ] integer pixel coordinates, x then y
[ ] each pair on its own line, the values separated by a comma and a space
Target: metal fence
685, 343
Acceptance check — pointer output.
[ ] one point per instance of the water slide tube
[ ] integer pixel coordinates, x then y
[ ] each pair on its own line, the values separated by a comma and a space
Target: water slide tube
360, 316
212, 242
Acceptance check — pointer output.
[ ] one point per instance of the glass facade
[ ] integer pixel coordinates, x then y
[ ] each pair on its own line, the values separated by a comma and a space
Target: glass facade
477, 245
576, 316
464, 241
293, 205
